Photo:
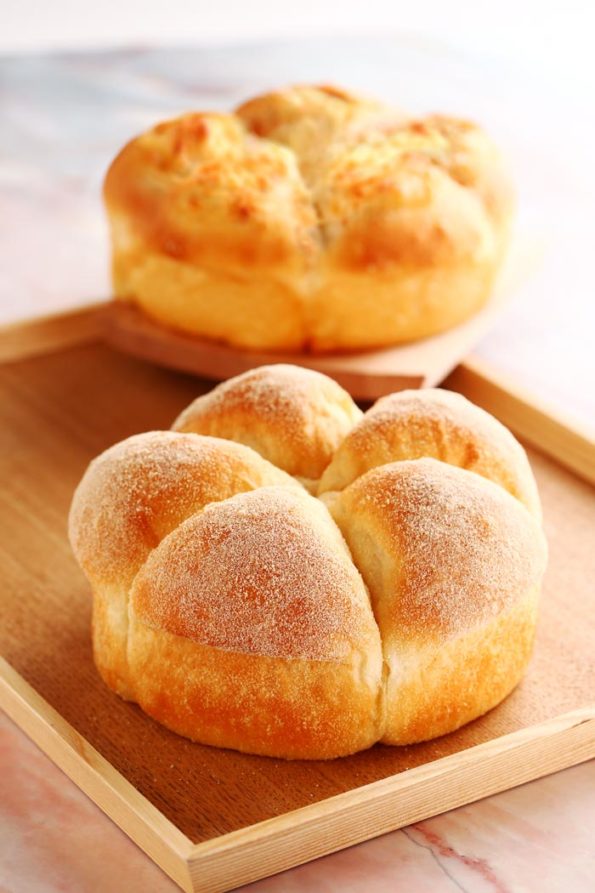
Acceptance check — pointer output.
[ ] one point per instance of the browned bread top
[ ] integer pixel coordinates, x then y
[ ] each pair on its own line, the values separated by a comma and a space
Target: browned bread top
300, 177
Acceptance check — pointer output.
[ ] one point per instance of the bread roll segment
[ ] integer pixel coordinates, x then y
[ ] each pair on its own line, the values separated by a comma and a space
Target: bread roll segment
294, 417
453, 565
252, 629
240, 611
129, 499
312, 121
415, 217
437, 424
213, 231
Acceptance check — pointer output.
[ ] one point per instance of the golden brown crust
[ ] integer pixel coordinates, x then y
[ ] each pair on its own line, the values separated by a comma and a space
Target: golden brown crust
110, 637
409, 195
295, 709
294, 417
129, 499
438, 424
229, 606
441, 549
201, 190
317, 198
311, 121
433, 691
323, 110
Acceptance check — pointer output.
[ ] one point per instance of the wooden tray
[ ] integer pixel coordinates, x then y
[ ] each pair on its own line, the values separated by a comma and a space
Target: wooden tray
213, 818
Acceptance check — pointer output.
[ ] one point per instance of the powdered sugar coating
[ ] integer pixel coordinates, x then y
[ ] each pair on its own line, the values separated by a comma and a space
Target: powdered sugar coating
294, 417
135, 493
265, 572
438, 424
442, 551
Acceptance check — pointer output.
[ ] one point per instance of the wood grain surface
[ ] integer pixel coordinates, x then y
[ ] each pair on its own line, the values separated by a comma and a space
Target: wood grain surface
58, 412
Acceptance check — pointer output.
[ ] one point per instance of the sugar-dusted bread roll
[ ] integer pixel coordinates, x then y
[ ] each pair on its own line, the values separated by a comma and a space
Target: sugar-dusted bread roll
241, 611
309, 219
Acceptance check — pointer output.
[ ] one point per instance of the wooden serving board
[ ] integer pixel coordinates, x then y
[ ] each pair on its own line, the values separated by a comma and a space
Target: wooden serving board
367, 375
214, 818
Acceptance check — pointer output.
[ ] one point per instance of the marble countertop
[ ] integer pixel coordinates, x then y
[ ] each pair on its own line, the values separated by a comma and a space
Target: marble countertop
62, 118
537, 837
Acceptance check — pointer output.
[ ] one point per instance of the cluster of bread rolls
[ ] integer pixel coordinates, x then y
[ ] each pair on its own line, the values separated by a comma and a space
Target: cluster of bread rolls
285, 575
308, 219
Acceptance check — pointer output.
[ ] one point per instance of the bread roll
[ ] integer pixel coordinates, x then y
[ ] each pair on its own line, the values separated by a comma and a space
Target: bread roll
242, 612
310, 219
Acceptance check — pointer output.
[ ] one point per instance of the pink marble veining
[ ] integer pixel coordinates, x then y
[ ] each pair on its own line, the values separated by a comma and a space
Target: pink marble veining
53, 839
537, 838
